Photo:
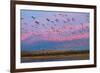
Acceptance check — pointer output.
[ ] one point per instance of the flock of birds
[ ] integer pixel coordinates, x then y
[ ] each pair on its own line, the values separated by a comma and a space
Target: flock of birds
37, 24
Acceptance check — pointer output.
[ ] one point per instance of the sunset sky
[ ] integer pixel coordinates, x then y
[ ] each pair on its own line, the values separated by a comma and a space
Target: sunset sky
54, 30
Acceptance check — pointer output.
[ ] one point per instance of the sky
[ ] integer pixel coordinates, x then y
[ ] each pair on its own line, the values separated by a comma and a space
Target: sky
54, 30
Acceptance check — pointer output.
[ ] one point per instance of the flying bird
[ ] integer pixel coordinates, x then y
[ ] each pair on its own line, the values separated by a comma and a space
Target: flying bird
53, 28
32, 26
64, 21
52, 21
47, 19
66, 15
25, 23
57, 20
73, 19
68, 19
82, 27
43, 25
60, 14
22, 18
33, 17
36, 22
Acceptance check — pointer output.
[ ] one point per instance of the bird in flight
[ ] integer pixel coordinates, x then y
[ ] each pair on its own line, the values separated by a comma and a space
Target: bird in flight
66, 15
36, 22
64, 21
68, 19
47, 19
33, 17
57, 20
22, 18
73, 19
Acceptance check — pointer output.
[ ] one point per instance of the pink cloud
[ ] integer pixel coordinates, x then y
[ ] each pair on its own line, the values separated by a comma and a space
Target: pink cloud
54, 36
75, 37
26, 35
59, 39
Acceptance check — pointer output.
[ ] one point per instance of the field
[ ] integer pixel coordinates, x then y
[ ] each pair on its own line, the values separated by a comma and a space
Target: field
44, 56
